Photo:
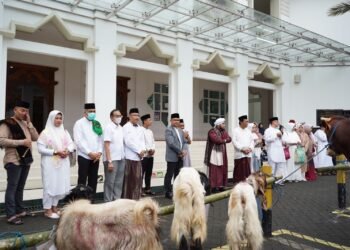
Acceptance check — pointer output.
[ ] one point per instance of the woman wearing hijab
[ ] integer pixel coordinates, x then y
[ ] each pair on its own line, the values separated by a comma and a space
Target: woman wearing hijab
54, 145
258, 143
291, 140
305, 143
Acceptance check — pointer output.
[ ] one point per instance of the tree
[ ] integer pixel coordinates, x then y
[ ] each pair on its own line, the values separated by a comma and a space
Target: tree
339, 9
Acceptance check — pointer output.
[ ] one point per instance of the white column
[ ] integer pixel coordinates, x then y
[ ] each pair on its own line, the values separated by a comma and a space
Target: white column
105, 69
3, 71
232, 103
184, 80
172, 91
238, 89
283, 93
89, 79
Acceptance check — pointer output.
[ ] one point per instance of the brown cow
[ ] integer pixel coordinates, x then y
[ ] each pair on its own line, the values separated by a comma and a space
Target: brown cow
338, 134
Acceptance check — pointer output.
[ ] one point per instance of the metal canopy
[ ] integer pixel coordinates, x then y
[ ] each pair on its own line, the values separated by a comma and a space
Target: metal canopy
227, 23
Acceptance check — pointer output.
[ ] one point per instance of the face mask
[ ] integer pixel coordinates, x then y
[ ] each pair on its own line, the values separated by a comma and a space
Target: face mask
117, 120
91, 116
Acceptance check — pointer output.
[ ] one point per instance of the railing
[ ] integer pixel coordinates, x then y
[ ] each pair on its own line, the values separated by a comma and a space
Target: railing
31, 240
341, 169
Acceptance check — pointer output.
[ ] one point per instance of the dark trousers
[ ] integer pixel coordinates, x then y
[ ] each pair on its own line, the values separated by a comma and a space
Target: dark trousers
173, 169
147, 167
16, 179
88, 169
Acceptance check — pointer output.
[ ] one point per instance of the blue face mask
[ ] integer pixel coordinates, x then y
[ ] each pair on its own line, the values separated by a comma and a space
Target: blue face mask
91, 116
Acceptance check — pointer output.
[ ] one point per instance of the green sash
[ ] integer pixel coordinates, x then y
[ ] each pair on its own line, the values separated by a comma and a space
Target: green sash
96, 127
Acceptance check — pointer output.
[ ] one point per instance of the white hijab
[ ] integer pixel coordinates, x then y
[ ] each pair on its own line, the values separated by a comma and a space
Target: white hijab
290, 126
55, 136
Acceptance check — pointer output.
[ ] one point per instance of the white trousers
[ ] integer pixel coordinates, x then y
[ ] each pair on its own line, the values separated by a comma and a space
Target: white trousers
278, 168
50, 201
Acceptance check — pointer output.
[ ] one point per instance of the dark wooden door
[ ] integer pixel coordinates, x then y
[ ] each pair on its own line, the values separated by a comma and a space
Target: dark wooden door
122, 96
34, 84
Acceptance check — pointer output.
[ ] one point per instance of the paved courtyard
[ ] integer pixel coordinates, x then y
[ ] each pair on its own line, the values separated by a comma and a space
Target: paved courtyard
305, 216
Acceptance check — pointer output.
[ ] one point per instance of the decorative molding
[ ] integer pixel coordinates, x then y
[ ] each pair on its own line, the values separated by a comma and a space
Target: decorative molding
219, 61
58, 22
153, 45
265, 70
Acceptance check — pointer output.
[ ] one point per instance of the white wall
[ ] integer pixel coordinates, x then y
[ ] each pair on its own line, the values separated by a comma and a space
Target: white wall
200, 129
312, 15
70, 76
141, 85
320, 88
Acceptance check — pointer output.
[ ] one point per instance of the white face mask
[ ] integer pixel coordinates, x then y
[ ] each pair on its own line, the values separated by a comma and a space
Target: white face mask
117, 120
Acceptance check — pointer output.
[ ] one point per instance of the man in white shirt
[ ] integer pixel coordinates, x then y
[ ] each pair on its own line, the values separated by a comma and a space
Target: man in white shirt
135, 149
275, 153
243, 141
114, 157
147, 161
89, 140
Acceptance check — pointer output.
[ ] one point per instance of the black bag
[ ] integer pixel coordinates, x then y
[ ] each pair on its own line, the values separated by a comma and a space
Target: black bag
26, 158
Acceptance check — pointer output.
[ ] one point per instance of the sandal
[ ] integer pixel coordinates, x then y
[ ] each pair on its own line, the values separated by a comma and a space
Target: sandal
15, 221
57, 211
52, 216
24, 214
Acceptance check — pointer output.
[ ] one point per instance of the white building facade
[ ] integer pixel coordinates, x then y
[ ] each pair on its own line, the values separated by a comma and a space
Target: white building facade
203, 59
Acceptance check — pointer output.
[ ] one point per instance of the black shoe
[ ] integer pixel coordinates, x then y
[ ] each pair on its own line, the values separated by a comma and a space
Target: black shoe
149, 192
169, 195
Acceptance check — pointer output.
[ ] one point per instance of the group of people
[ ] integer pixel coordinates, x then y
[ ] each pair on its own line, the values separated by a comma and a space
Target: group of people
128, 152
293, 151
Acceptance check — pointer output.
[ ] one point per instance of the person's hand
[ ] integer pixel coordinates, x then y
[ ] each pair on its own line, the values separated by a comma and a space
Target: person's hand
28, 118
279, 135
151, 152
61, 154
92, 155
27, 143
141, 154
66, 153
98, 156
246, 151
110, 167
